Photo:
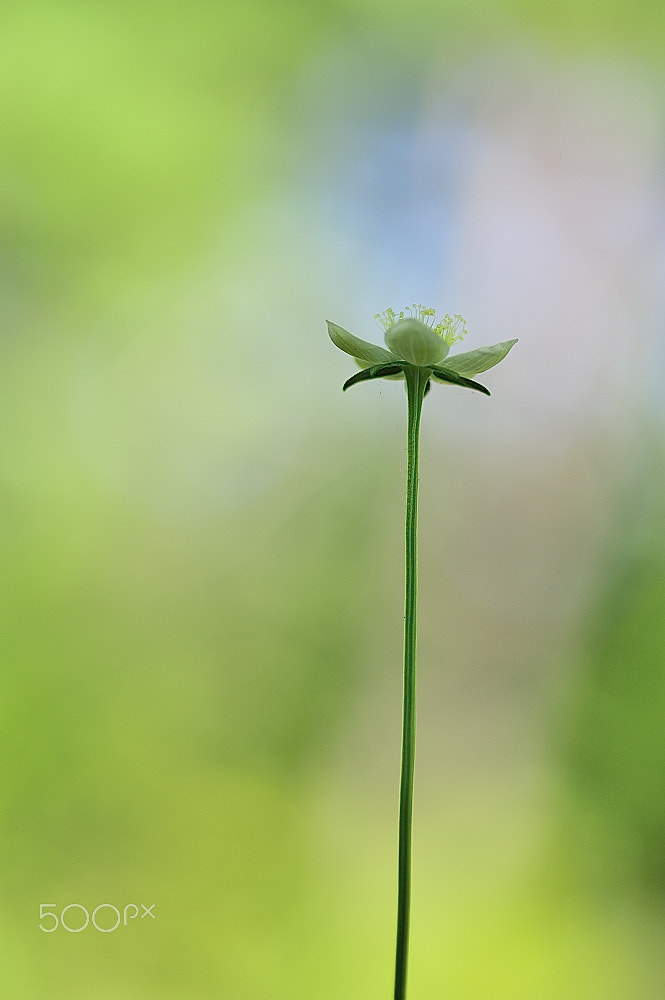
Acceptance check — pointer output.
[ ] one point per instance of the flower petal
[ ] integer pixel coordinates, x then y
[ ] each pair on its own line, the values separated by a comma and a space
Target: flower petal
416, 342
444, 375
357, 348
376, 371
474, 362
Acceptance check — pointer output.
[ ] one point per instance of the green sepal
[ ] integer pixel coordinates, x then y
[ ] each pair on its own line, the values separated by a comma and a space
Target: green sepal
376, 371
358, 348
444, 375
474, 362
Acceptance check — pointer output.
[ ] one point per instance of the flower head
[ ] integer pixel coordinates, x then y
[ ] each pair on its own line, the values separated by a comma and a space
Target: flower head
414, 340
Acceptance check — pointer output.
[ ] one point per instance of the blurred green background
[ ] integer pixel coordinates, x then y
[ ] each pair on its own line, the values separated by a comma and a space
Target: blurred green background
201, 538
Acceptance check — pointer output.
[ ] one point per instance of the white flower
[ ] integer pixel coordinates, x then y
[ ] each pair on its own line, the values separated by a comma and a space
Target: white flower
414, 341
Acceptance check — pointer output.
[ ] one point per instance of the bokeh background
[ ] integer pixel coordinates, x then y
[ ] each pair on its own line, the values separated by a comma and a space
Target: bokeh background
201, 537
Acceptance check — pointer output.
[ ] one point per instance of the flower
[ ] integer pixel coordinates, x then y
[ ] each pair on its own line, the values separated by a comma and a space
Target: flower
414, 341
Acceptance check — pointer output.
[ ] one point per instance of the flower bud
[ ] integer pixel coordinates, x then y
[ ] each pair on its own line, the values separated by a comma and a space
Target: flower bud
415, 342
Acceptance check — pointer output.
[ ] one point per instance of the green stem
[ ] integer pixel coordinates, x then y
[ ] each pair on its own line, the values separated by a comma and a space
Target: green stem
416, 382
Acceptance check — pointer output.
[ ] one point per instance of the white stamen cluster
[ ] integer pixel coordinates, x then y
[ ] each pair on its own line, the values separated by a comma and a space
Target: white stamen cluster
451, 329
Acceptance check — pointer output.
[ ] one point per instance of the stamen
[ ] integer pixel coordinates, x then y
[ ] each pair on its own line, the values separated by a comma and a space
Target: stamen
386, 319
451, 328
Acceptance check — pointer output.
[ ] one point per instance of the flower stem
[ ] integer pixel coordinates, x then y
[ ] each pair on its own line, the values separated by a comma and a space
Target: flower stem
416, 383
